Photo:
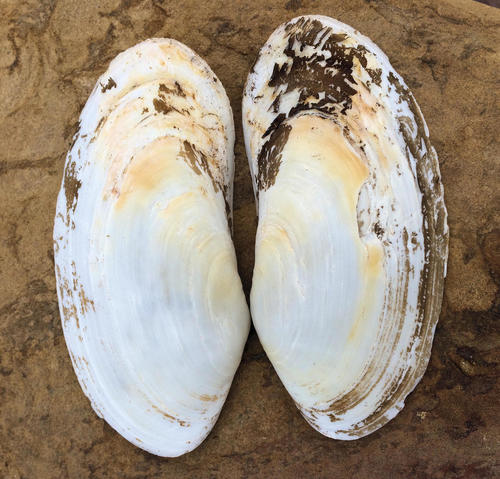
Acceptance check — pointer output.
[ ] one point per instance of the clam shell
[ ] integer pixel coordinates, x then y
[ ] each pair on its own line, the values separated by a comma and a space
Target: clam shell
352, 238
152, 307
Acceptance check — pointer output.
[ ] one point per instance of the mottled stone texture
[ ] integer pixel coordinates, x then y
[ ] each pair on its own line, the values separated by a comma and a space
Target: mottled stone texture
52, 52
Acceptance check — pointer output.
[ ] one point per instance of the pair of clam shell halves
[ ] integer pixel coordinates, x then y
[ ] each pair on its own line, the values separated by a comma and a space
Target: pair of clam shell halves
351, 243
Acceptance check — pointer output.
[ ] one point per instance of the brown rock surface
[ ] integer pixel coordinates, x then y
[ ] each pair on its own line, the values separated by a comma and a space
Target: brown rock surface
52, 52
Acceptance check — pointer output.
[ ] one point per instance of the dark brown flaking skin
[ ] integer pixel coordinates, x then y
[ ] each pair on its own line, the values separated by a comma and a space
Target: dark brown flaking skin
71, 185
270, 156
198, 162
161, 104
172, 91
111, 84
335, 80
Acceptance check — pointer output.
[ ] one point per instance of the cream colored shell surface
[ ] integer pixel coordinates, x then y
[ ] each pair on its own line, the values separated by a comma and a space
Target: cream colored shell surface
153, 311
352, 238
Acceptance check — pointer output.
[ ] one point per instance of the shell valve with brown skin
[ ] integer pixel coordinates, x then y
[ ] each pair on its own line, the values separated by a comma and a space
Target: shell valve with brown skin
153, 311
352, 239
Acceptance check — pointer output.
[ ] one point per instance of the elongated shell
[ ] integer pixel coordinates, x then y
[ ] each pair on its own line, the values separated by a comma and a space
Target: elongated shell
352, 237
152, 306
